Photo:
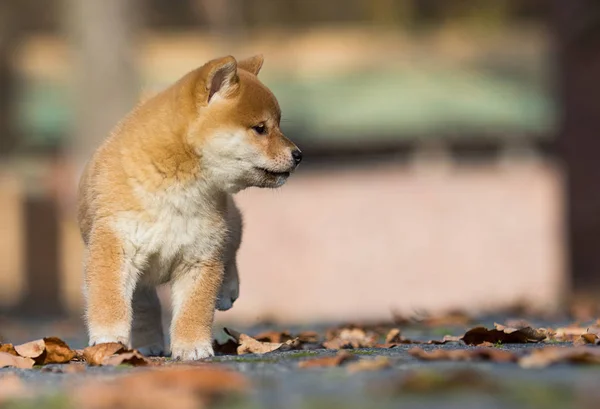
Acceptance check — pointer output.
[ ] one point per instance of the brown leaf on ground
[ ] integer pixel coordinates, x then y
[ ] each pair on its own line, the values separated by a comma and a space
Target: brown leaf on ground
12, 387
501, 334
9, 349
393, 336
543, 357
305, 337
249, 345
175, 387
308, 337
573, 332
96, 354
9, 360
274, 336
351, 338
430, 381
477, 354
134, 358
228, 348
587, 339
327, 361
31, 349
56, 352
377, 364
45, 351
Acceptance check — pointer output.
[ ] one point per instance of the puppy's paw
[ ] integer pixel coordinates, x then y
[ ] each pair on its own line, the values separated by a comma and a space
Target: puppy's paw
200, 350
101, 339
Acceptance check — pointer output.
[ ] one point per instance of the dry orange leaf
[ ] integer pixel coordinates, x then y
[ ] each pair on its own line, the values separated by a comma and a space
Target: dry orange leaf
96, 354
274, 336
543, 357
350, 338
505, 335
228, 348
31, 349
477, 354
379, 363
249, 345
393, 336
8, 348
327, 361
9, 360
56, 352
587, 339
180, 387
134, 358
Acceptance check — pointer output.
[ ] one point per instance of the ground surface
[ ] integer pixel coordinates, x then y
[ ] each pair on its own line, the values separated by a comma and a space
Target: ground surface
277, 381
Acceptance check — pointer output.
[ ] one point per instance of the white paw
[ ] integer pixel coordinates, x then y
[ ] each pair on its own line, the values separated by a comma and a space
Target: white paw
195, 352
101, 339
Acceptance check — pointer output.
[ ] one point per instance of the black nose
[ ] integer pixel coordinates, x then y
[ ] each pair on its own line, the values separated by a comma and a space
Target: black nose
297, 155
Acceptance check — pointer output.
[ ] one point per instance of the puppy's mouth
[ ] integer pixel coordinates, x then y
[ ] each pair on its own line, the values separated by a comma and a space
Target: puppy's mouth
273, 174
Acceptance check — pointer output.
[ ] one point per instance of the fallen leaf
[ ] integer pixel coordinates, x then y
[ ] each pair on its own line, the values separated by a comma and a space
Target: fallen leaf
430, 381
573, 332
350, 338
96, 354
31, 349
134, 358
501, 334
587, 339
274, 336
249, 345
180, 386
393, 336
228, 348
543, 357
477, 354
327, 361
380, 362
305, 337
308, 337
8, 348
9, 360
56, 352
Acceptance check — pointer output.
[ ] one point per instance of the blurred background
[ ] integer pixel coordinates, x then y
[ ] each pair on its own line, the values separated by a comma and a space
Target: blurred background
451, 147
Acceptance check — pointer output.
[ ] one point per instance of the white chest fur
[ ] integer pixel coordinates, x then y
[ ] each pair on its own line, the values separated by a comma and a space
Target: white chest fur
177, 227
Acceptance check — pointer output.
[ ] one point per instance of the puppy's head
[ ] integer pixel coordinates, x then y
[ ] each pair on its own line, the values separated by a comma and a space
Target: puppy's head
236, 132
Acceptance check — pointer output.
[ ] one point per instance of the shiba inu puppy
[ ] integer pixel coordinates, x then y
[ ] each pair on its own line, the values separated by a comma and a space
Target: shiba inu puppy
155, 205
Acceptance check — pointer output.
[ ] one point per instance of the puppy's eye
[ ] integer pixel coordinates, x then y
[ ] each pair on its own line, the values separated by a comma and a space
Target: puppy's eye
260, 129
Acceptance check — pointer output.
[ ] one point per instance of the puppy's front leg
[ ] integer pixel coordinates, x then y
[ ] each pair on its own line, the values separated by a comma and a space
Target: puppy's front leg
110, 279
194, 297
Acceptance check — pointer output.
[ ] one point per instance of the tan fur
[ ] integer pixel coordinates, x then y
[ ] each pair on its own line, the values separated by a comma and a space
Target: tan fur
155, 205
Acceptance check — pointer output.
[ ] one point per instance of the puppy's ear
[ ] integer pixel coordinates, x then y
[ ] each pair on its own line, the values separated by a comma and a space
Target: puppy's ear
220, 77
252, 64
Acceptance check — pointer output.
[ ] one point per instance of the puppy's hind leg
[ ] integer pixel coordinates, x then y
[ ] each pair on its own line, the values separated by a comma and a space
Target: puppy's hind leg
147, 331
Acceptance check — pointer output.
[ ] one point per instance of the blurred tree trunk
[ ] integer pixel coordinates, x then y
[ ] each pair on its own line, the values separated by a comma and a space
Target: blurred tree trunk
576, 25
9, 36
102, 37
